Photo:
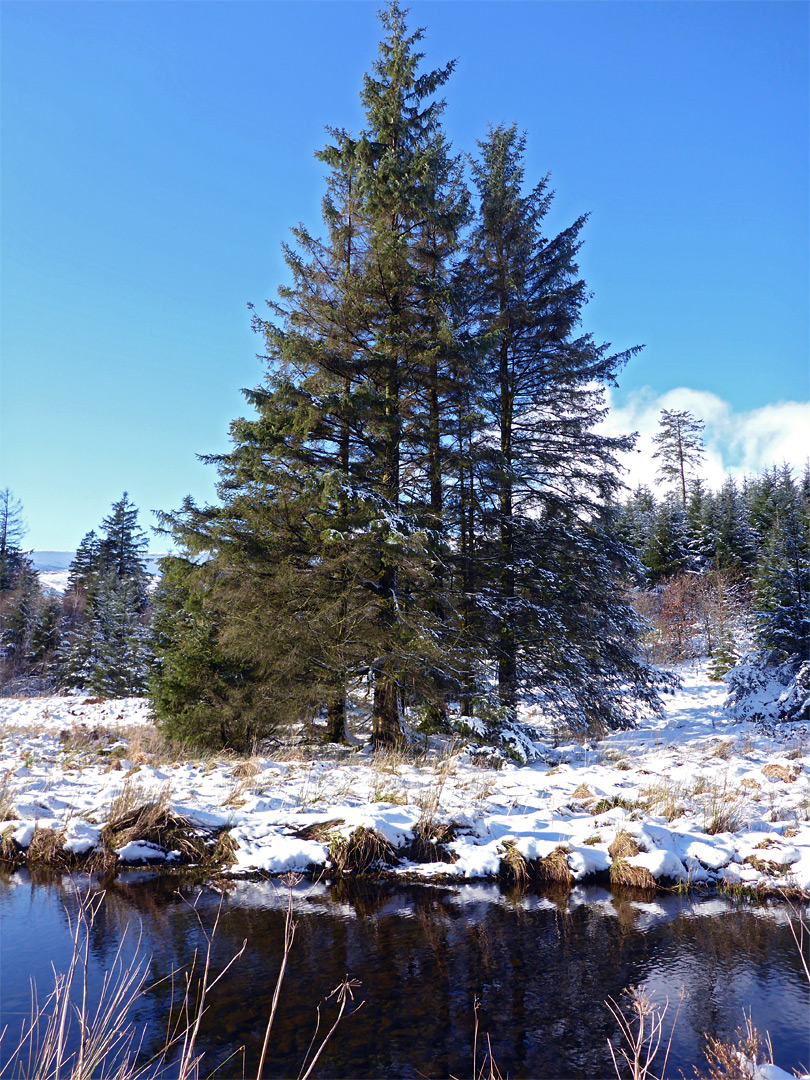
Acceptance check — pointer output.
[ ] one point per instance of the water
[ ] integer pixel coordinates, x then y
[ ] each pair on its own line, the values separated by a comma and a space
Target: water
541, 967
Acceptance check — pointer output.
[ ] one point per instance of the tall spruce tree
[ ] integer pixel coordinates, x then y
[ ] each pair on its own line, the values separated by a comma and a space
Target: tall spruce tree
547, 474
331, 510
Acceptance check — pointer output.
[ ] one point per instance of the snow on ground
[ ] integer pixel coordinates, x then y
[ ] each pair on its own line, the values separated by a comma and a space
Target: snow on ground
706, 801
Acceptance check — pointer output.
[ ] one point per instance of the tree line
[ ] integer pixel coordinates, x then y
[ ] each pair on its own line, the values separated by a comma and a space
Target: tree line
727, 572
96, 636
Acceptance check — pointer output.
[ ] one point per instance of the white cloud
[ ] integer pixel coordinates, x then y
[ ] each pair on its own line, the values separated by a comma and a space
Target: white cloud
737, 443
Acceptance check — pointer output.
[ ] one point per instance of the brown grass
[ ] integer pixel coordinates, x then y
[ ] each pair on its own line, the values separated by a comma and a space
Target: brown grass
765, 866
723, 749
637, 877
7, 812
603, 805
245, 770
429, 844
582, 792
513, 869
319, 830
553, 869
722, 811
10, 852
781, 772
624, 845
663, 798
732, 1060
362, 851
48, 847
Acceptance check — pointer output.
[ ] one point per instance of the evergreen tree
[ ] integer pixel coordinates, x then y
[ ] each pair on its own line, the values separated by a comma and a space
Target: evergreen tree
783, 577
19, 613
734, 542
106, 609
547, 474
11, 534
122, 549
680, 446
331, 507
666, 545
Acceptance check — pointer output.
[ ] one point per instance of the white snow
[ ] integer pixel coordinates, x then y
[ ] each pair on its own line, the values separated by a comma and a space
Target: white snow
688, 785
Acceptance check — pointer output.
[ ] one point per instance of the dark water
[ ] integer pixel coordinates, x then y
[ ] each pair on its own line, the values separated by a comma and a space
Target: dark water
541, 967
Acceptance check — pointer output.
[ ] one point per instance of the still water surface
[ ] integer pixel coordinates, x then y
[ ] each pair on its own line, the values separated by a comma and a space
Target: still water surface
541, 966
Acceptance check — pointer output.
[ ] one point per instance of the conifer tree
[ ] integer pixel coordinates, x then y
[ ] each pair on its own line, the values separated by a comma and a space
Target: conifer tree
547, 474
11, 534
783, 576
105, 647
331, 507
680, 446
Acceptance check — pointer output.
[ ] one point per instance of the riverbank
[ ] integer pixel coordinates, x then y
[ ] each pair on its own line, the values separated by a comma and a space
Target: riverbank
684, 800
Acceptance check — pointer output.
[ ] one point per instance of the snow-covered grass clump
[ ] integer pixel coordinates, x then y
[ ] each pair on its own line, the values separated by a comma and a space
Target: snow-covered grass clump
702, 800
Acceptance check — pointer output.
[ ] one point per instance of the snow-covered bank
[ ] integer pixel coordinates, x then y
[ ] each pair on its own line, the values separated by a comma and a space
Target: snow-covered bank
702, 801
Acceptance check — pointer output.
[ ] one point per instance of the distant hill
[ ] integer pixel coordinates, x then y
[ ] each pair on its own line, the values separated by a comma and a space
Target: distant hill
53, 566
52, 560
61, 560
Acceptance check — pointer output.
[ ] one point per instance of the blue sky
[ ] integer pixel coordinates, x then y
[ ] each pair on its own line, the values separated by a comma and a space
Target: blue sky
155, 156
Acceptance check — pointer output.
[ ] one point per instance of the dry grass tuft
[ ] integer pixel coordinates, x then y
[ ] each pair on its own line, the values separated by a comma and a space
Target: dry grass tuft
582, 792
736, 1060
553, 869
429, 844
7, 812
637, 877
10, 853
765, 866
321, 831
610, 803
154, 823
136, 817
48, 847
624, 845
781, 772
513, 869
364, 850
723, 749
245, 770
722, 811
664, 798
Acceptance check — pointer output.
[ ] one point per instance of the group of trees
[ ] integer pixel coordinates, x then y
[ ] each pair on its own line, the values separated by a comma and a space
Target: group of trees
29, 619
96, 637
422, 499
728, 571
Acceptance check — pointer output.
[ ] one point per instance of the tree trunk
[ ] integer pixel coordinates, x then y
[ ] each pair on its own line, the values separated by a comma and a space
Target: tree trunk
336, 718
385, 729
507, 656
